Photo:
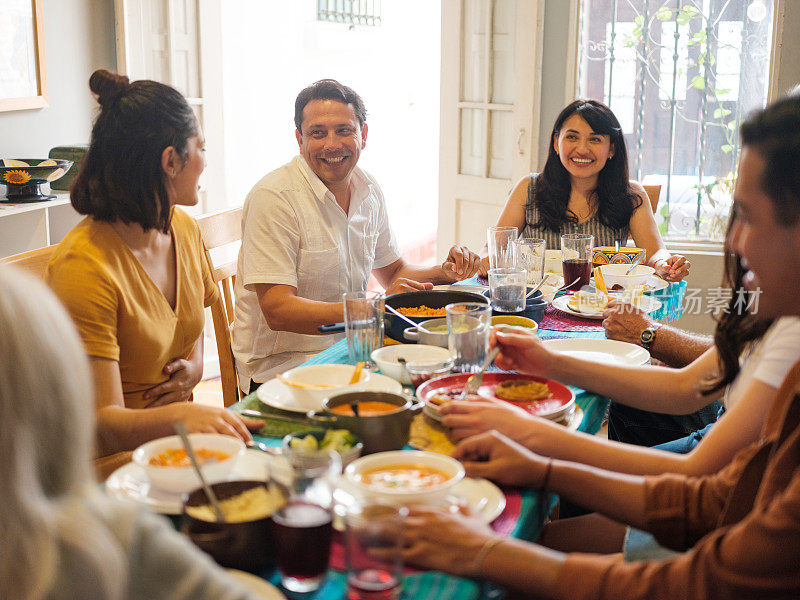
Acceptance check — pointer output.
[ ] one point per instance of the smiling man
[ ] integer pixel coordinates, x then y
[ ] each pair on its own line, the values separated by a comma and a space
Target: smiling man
313, 229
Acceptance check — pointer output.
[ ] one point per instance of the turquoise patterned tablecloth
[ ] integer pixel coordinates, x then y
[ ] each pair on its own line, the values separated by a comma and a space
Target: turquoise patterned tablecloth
438, 586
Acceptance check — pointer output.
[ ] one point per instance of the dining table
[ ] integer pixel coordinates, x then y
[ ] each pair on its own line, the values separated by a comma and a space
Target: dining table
525, 510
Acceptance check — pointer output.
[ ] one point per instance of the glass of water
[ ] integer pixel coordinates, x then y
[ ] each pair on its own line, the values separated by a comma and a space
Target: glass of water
501, 252
508, 288
529, 254
363, 322
468, 325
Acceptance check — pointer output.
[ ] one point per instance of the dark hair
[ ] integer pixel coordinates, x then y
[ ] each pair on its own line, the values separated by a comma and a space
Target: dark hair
737, 327
328, 89
775, 133
616, 199
121, 178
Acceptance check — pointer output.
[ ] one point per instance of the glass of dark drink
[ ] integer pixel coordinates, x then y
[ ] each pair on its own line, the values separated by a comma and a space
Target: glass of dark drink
576, 259
303, 528
373, 543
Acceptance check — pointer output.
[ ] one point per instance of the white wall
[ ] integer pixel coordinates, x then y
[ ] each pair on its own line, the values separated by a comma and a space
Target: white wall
79, 38
279, 48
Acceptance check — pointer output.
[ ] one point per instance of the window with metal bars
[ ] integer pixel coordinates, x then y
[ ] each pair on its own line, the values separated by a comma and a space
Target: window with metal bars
680, 75
352, 12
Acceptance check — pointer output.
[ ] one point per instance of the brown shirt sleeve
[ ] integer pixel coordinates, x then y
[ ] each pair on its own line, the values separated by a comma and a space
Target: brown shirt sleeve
755, 558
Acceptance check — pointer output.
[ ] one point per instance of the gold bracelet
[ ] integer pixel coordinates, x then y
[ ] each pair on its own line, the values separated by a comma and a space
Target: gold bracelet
483, 552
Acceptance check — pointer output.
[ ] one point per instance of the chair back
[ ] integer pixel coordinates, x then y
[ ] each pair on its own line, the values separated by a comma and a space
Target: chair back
220, 229
653, 194
34, 261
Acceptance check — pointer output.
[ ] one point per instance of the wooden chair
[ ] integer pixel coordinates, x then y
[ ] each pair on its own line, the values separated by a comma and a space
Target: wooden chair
34, 261
653, 194
219, 229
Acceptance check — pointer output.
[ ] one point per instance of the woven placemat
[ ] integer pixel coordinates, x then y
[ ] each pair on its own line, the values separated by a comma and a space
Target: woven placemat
556, 320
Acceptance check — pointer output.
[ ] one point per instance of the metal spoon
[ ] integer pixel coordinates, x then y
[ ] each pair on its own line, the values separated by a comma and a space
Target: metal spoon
405, 318
536, 287
563, 287
635, 262
181, 431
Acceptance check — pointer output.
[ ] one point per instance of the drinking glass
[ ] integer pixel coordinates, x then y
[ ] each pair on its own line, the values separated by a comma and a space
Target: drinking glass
501, 253
529, 255
363, 323
508, 287
369, 527
468, 326
576, 258
303, 529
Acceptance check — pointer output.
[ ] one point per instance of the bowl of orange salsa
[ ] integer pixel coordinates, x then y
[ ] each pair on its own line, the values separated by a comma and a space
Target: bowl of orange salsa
168, 467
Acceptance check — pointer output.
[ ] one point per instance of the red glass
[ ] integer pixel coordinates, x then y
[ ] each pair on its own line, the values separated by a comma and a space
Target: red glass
574, 268
302, 533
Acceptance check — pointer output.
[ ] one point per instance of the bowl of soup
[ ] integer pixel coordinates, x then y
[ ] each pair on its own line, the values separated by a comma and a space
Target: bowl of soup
169, 468
383, 420
406, 476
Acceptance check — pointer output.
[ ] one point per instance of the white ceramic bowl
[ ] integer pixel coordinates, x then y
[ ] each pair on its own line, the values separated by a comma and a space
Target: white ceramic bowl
429, 495
310, 385
615, 275
386, 358
184, 479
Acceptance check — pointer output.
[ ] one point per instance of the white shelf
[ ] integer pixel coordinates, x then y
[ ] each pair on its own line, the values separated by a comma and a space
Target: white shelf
29, 226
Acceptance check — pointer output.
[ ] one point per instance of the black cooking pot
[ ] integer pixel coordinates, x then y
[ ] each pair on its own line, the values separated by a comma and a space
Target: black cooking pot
394, 325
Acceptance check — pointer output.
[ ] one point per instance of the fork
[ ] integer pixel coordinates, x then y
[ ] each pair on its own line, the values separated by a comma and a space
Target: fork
474, 381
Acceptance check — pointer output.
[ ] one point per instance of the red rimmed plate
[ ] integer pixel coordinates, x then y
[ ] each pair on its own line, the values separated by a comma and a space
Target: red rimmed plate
559, 403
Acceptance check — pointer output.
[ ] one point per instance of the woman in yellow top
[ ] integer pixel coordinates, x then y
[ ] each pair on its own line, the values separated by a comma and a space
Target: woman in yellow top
132, 274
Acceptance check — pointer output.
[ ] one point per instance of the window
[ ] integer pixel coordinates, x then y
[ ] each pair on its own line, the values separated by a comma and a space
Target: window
680, 75
354, 12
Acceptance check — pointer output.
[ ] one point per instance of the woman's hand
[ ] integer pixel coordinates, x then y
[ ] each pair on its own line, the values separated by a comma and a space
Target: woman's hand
494, 456
521, 351
673, 269
461, 263
444, 541
467, 418
183, 376
198, 418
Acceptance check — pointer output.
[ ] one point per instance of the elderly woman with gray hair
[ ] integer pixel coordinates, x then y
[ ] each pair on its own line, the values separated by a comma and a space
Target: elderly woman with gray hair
62, 538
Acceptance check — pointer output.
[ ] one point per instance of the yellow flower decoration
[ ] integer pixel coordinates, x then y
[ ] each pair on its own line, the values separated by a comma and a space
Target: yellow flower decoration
18, 177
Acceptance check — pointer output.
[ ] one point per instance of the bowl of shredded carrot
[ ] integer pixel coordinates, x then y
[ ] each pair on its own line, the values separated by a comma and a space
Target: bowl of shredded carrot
169, 468
422, 305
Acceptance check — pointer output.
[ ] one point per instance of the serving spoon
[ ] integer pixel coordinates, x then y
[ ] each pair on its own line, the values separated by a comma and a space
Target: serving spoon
635, 262
405, 318
181, 431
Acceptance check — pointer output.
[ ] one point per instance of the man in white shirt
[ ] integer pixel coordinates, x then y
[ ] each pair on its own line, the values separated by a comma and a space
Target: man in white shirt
312, 230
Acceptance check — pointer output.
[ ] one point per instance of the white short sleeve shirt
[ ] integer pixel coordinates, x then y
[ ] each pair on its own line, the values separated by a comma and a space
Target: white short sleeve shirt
294, 233
769, 360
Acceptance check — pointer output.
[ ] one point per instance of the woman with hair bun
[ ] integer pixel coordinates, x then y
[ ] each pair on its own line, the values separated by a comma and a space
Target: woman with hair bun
132, 274
585, 188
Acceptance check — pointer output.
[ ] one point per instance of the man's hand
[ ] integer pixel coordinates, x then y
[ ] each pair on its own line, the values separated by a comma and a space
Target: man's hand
401, 284
625, 322
461, 263
673, 269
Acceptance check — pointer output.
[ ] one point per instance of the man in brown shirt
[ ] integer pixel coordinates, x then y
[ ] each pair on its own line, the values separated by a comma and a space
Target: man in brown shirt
742, 523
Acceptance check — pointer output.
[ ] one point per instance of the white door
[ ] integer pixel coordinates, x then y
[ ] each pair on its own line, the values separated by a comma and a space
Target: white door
491, 74
161, 40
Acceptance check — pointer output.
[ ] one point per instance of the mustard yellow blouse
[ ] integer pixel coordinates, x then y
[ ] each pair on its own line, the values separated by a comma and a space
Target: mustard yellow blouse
118, 310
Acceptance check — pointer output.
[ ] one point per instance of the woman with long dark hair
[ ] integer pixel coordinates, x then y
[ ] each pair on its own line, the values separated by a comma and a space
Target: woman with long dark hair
132, 274
585, 187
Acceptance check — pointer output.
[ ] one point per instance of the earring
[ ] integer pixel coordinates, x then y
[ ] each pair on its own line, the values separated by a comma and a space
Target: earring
173, 172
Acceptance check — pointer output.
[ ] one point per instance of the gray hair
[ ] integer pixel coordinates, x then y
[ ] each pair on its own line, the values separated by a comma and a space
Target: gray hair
46, 445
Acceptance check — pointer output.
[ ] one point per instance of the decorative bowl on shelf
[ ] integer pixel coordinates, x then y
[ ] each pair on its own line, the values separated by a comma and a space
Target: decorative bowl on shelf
23, 177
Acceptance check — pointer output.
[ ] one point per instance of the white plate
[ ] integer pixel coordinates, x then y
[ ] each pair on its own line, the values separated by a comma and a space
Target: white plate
130, 482
481, 495
260, 588
275, 394
608, 352
655, 284
647, 304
